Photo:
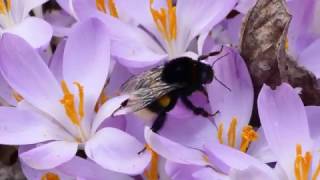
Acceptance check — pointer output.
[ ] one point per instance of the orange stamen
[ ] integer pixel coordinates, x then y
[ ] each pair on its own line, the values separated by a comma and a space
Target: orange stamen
17, 96
68, 101
152, 173
113, 9
101, 6
5, 6
165, 20
232, 132
220, 133
50, 176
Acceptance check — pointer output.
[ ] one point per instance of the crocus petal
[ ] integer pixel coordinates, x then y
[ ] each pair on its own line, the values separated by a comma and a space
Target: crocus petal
6, 97
309, 58
55, 64
205, 14
193, 132
89, 170
180, 171
238, 102
236, 159
300, 34
208, 173
313, 113
67, 5
20, 127
106, 110
87, 58
40, 88
168, 149
251, 173
116, 150
284, 122
50, 155
26, 30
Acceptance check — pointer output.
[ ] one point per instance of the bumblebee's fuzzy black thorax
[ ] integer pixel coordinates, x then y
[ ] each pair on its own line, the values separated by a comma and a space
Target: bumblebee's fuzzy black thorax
187, 71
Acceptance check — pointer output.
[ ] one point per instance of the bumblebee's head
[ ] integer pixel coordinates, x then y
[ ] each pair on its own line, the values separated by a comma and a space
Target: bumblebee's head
206, 74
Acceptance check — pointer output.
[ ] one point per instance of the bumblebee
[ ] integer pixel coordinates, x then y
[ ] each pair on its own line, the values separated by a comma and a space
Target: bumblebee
159, 89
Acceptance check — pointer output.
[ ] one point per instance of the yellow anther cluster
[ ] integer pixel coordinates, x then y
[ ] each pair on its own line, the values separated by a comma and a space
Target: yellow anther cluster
165, 20
68, 101
302, 165
248, 135
5, 6
50, 176
101, 6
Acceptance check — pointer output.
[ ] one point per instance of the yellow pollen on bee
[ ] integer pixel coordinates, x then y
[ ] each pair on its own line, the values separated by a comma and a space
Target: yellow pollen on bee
50, 176
101, 6
248, 135
165, 20
302, 165
152, 172
5, 6
68, 102
165, 101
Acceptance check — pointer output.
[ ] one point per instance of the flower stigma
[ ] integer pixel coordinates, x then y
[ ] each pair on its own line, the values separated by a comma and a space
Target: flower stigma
5, 6
50, 176
248, 135
68, 101
302, 165
101, 6
152, 172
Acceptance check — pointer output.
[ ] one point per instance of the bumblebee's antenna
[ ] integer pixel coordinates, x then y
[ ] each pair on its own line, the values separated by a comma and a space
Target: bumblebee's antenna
214, 53
224, 85
219, 59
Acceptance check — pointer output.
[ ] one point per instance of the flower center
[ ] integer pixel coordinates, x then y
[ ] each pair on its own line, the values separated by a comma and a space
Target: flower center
5, 6
302, 165
50, 176
248, 135
101, 6
165, 20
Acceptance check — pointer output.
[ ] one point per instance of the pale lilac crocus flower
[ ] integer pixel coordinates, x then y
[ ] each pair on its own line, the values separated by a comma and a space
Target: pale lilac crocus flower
286, 127
15, 19
164, 31
215, 161
61, 119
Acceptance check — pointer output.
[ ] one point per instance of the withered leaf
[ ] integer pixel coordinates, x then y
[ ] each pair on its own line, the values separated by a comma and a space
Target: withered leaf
262, 45
261, 34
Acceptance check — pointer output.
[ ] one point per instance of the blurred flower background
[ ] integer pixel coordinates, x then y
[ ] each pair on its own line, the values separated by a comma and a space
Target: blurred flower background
63, 62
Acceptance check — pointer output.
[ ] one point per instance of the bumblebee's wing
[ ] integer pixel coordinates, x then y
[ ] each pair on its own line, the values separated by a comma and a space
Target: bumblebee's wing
143, 89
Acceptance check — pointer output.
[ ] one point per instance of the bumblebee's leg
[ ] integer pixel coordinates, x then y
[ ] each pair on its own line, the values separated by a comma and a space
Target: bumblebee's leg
196, 110
156, 126
204, 92
159, 122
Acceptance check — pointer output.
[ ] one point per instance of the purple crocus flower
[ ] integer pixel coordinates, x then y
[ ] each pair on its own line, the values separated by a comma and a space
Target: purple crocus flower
61, 119
161, 34
15, 19
286, 127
